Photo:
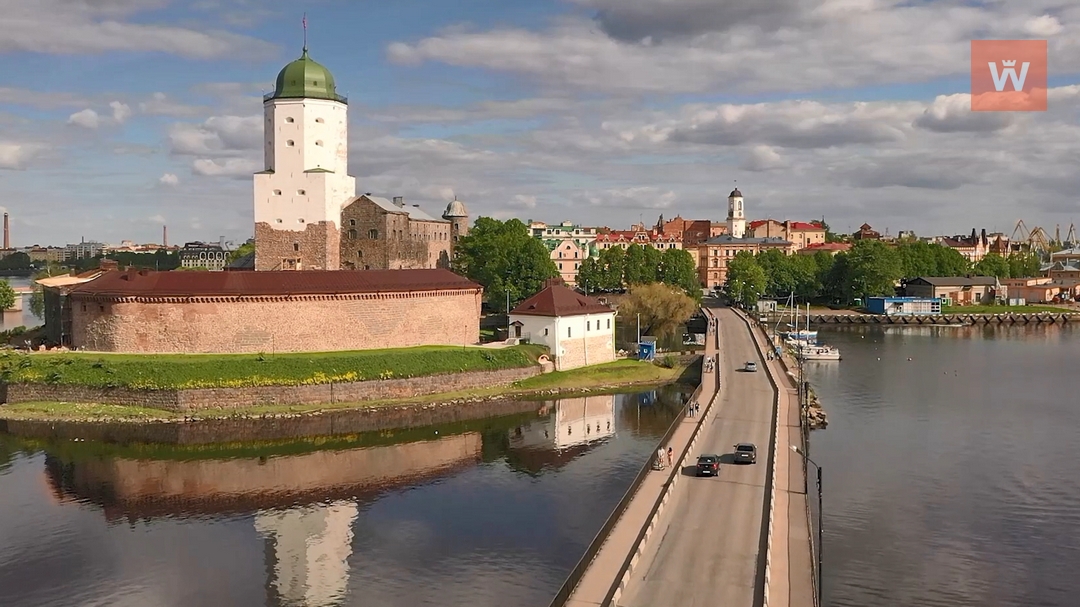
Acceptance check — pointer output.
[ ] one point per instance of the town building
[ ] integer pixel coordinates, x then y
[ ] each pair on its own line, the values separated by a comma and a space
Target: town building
1042, 289
640, 235
1070, 256
832, 248
866, 233
567, 256
715, 253
273, 311
379, 234
83, 250
957, 290
578, 330
204, 255
1062, 270
54, 292
567, 230
45, 254
903, 306
977, 245
800, 233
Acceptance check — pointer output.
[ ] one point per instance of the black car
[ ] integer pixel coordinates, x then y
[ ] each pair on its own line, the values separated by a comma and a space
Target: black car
708, 465
745, 453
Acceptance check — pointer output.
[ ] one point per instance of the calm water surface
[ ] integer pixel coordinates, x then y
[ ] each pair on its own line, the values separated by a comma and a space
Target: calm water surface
951, 466
492, 516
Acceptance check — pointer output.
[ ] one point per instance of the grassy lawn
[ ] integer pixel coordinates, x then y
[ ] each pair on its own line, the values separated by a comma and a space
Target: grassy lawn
173, 371
1002, 309
607, 376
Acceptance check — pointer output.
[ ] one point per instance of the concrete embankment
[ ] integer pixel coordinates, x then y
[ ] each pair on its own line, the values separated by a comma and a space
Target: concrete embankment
846, 317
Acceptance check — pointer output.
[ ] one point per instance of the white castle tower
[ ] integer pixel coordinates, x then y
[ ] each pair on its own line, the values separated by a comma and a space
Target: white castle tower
305, 182
736, 218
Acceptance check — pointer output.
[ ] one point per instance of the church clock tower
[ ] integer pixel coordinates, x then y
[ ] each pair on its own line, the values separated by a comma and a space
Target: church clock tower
736, 219
305, 182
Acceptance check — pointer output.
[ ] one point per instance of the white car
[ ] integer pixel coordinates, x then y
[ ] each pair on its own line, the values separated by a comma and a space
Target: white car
751, 367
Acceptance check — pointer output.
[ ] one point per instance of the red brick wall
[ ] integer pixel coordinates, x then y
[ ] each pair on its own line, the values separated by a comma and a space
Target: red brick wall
187, 401
301, 324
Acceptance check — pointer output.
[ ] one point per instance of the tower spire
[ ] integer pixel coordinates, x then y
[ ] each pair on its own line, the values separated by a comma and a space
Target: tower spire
304, 23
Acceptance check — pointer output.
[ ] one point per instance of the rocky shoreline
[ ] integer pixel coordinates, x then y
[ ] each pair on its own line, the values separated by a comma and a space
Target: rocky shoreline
814, 413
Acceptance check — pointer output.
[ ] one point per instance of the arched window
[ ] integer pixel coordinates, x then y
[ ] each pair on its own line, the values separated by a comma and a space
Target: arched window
290, 143
296, 246
319, 120
289, 119
359, 254
352, 234
319, 143
373, 234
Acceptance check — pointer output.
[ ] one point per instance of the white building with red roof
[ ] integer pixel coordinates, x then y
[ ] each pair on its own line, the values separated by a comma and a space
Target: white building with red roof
578, 330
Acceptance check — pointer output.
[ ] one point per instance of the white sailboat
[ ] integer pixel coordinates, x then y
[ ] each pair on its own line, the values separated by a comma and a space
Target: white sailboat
807, 348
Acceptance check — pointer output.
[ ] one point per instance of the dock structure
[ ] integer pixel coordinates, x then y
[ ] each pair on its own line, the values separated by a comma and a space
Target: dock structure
740, 538
946, 319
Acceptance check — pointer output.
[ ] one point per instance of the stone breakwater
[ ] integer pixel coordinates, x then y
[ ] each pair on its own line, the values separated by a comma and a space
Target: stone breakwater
199, 399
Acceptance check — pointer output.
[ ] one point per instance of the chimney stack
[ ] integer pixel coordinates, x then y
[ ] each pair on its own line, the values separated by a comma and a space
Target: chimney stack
399, 201
165, 236
7, 232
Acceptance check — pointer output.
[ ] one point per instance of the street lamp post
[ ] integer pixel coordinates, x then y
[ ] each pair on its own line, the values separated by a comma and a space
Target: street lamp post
820, 544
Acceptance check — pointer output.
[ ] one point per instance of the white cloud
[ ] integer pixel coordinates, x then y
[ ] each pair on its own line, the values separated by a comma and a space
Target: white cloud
228, 167
161, 104
15, 155
952, 114
159, 219
763, 158
639, 197
120, 111
218, 135
91, 26
169, 179
87, 119
522, 201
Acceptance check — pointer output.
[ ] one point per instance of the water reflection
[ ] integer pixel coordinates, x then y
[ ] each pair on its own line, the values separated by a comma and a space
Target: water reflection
470, 510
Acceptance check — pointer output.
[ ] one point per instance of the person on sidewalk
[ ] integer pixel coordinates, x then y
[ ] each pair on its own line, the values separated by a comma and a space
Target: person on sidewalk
670, 456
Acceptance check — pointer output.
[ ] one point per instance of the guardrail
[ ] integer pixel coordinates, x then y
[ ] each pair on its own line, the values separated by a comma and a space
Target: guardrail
578, 571
769, 506
623, 576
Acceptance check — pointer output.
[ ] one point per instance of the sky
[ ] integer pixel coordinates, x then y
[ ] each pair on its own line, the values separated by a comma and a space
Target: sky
120, 116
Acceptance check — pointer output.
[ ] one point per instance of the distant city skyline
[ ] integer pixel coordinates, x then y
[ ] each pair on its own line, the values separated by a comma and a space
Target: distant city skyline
131, 115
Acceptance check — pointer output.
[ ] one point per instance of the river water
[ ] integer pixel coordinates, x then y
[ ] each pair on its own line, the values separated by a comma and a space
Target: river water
494, 513
951, 466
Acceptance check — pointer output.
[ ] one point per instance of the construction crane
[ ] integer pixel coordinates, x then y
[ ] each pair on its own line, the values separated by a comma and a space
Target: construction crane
1070, 238
1036, 240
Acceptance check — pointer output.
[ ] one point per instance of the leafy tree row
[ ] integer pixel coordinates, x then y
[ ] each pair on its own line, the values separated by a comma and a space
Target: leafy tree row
868, 269
504, 258
617, 269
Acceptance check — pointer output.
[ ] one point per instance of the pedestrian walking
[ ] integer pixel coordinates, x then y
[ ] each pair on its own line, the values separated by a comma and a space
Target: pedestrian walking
670, 454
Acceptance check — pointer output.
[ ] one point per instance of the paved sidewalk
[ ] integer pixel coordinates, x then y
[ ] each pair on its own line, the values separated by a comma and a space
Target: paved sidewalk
606, 566
791, 583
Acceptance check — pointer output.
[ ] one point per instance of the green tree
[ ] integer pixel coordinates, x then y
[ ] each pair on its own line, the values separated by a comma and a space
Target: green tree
1023, 265
779, 276
807, 276
7, 295
949, 261
612, 267
16, 261
746, 279
873, 269
245, 249
677, 269
993, 265
504, 258
663, 308
589, 274
830, 236
635, 269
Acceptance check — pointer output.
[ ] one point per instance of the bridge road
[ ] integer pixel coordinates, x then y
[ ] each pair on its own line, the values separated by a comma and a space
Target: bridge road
705, 552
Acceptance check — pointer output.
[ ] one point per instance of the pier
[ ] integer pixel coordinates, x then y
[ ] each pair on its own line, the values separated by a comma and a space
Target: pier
1011, 318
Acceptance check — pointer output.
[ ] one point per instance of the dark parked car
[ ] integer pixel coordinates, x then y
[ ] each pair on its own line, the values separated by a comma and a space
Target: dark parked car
745, 453
708, 465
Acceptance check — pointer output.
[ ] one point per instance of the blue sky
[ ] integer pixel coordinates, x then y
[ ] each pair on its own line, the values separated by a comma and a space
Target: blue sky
120, 116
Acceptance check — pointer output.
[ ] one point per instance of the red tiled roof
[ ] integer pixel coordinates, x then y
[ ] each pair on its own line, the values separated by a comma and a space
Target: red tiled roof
803, 226
827, 246
146, 283
558, 300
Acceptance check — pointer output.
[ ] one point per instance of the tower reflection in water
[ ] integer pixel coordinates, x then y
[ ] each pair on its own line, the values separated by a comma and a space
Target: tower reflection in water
305, 506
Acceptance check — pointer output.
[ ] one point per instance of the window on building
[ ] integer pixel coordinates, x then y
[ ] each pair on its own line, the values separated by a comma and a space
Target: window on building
277, 192
318, 142
569, 332
352, 234
290, 143
359, 254
545, 330
301, 220
352, 222
588, 325
373, 234
609, 323
289, 119
301, 192
560, 254
277, 221
296, 246
319, 120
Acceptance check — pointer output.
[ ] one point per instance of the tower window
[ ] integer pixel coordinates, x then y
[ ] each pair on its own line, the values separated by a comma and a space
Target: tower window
289, 119
352, 234
301, 192
290, 143
373, 234
277, 220
352, 222
301, 220
319, 143
360, 254
296, 246
277, 192
319, 120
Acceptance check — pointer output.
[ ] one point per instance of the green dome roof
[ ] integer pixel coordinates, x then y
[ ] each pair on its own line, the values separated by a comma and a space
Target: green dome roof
304, 78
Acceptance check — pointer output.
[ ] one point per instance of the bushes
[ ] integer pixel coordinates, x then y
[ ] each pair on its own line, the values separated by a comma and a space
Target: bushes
169, 371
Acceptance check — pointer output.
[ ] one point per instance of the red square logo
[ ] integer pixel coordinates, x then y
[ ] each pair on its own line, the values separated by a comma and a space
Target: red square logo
1008, 75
